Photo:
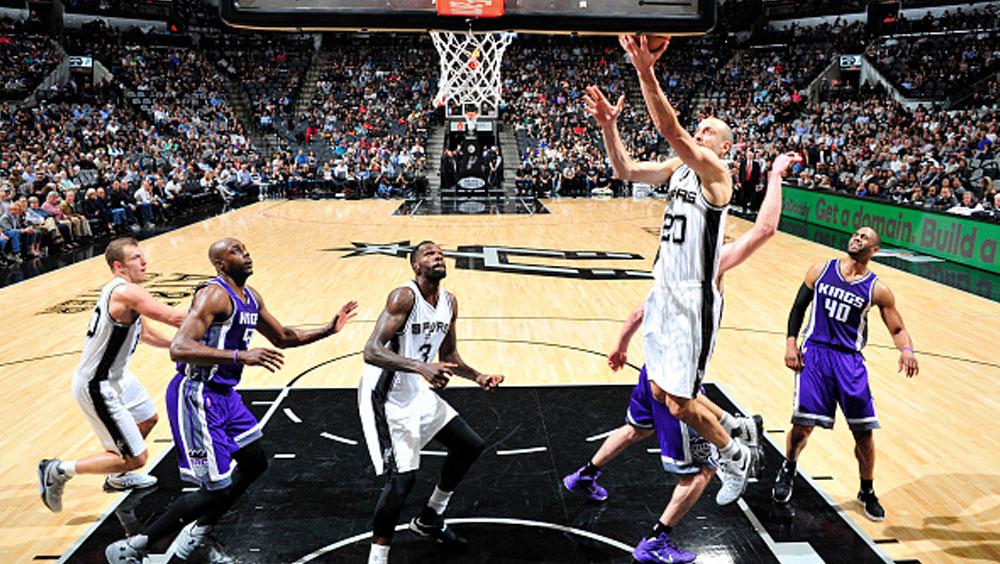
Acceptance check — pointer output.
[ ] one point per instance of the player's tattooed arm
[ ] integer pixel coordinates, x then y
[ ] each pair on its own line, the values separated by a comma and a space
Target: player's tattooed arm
284, 337
886, 303
449, 354
390, 322
210, 303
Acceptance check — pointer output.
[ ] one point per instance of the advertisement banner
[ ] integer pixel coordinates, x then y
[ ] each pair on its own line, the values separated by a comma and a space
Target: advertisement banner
951, 237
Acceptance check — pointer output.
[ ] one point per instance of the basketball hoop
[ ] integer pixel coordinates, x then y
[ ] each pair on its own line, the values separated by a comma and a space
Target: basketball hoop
470, 63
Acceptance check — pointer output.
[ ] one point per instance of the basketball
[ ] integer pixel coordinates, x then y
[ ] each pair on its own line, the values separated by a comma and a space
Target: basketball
656, 42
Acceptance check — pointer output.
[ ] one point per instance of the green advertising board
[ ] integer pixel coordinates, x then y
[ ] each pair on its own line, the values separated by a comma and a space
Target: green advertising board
955, 238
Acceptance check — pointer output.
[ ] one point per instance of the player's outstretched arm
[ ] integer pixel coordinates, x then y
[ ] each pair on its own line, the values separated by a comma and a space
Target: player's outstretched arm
703, 161
886, 303
390, 322
793, 354
619, 356
625, 167
449, 354
766, 224
285, 337
154, 338
135, 297
210, 303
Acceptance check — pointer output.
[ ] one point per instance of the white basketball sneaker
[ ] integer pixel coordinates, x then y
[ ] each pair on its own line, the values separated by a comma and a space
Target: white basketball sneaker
128, 481
190, 539
734, 474
121, 552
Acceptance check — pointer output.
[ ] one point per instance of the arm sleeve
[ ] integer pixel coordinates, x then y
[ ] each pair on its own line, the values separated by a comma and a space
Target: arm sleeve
798, 313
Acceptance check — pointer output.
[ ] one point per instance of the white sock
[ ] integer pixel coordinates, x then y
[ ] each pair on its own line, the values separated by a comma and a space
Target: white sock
439, 500
68, 467
379, 554
729, 423
730, 451
138, 542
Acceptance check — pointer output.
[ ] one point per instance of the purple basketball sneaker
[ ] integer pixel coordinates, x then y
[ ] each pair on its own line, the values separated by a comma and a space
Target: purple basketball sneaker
580, 483
661, 549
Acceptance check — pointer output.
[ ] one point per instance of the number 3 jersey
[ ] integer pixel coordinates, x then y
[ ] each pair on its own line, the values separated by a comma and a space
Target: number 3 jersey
839, 316
420, 338
232, 333
109, 344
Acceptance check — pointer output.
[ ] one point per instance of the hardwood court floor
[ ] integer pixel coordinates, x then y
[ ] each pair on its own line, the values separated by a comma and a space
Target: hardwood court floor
938, 472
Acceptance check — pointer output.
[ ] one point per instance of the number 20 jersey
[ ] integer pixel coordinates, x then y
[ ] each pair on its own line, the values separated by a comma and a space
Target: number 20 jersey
839, 316
691, 236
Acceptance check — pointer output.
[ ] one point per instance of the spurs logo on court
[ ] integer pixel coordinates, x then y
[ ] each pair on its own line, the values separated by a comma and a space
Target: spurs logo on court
504, 259
171, 289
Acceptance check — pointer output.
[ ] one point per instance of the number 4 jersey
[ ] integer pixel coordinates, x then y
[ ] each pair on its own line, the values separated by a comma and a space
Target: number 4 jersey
839, 314
109, 344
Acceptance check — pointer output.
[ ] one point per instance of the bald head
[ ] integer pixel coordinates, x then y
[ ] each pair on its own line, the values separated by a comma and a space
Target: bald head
230, 257
714, 134
218, 248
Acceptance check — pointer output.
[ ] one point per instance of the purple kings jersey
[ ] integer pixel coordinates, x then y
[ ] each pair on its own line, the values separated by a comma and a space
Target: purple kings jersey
839, 315
232, 333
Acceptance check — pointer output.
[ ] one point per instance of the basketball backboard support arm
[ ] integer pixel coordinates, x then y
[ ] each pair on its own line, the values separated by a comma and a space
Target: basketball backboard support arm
582, 17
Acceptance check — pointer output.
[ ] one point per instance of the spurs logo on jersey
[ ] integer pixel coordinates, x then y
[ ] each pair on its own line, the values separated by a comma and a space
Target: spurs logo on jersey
691, 235
426, 327
109, 344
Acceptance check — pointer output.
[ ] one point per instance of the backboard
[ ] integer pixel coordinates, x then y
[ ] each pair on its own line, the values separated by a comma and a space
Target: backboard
583, 17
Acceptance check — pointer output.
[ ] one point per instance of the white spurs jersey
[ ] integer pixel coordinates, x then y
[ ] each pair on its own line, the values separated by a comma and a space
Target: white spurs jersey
420, 338
109, 344
692, 233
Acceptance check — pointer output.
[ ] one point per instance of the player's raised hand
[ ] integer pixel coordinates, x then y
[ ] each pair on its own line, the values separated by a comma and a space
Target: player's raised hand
345, 314
268, 358
617, 359
793, 357
784, 161
908, 363
598, 106
437, 373
638, 49
489, 382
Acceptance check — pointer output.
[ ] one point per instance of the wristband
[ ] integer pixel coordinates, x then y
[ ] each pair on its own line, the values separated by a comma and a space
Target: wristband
236, 359
908, 349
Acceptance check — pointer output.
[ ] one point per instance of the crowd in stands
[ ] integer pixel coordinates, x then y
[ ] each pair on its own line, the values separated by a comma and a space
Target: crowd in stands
872, 146
99, 160
561, 149
25, 59
935, 57
367, 125
268, 68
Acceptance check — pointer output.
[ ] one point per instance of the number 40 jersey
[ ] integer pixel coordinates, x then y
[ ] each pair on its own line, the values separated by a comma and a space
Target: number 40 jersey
839, 316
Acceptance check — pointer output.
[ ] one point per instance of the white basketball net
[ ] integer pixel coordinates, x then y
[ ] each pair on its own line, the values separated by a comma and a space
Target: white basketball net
470, 72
